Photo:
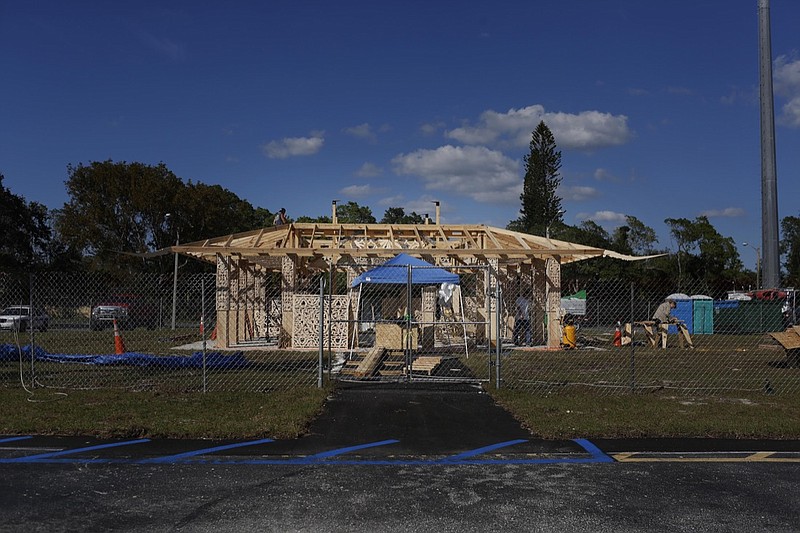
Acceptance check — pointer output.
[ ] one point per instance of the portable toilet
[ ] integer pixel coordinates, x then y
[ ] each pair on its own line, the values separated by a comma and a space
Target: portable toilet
702, 314
684, 312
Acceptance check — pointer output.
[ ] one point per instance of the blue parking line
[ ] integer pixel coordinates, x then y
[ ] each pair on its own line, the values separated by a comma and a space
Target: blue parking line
594, 451
340, 451
318, 458
51, 455
180, 456
478, 451
330, 457
13, 439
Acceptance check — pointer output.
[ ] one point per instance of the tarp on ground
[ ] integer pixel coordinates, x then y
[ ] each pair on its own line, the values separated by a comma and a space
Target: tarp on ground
395, 271
213, 360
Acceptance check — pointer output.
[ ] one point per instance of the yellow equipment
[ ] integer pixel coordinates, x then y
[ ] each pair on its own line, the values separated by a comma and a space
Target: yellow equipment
568, 339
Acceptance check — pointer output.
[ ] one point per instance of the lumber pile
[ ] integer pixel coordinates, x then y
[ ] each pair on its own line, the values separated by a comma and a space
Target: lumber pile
790, 340
426, 364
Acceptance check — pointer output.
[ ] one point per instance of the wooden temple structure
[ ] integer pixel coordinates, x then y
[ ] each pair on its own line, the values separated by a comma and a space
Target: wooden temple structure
267, 280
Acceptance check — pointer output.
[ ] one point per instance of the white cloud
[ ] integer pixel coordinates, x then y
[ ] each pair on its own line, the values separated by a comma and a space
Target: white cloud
362, 131
787, 84
369, 170
587, 130
577, 193
602, 174
431, 128
294, 146
728, 212
357, 191
475, 171
392, 201
603, 216
791, 113
787, 74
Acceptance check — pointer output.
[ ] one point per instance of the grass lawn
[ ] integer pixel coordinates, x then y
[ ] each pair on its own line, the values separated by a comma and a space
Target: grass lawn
577, 414
115, 413
716, 390
285, 414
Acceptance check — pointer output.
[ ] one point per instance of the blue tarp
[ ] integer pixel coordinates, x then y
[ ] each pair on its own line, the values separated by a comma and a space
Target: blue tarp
395, 271
215, 360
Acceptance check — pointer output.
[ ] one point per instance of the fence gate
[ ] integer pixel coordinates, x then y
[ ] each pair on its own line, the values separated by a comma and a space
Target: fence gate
413, 321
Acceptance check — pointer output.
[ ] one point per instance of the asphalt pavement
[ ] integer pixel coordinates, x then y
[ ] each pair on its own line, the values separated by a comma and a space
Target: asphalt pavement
406, 458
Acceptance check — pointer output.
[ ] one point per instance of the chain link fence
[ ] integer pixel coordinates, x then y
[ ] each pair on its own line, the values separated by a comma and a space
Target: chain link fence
392, 323
81, 331
614, 337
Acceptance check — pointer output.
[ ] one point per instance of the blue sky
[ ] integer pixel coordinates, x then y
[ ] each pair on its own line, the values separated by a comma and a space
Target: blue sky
654, 105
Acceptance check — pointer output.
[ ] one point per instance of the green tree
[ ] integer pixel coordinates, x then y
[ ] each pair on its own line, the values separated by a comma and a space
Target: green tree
541, 207
26, 236
397, 215
116, 209
212, 211
634, 237
352, 213
314, 220
703, 253
790, 248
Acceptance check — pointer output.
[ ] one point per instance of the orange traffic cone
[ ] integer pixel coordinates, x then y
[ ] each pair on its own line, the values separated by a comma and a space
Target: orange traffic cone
617, 336
119, 345
214, 334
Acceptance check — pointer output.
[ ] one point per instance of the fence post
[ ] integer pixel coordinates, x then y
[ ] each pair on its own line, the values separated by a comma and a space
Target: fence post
499, 341
407, 356
202, 326
31, 329
330, 326
633, 352
321, 330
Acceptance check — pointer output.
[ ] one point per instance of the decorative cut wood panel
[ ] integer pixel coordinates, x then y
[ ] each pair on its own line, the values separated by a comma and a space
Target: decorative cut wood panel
288, 283
306, 321
223, 282
273, 318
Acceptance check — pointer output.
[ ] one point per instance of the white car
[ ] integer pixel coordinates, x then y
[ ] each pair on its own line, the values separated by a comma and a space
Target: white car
19, 317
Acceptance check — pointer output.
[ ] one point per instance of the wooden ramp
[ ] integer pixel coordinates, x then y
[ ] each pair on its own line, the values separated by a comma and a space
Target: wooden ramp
367, 366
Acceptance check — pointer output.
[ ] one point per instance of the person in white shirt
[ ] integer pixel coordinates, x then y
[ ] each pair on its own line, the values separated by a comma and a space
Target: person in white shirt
522, 322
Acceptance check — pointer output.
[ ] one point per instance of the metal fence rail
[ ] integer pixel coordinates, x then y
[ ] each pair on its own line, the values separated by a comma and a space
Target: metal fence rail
480, 327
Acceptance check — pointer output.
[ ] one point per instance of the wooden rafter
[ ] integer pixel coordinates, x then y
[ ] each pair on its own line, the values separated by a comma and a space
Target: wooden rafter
460, 243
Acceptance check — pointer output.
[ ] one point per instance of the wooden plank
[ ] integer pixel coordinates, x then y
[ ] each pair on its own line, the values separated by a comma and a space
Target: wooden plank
426, 363
789, 339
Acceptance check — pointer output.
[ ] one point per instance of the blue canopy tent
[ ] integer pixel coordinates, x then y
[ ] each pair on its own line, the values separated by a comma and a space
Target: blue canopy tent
395, 270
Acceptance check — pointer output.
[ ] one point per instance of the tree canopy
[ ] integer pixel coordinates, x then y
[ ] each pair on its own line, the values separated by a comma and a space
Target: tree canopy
397, 215
352, 213
541, 206
117, 209
26, 237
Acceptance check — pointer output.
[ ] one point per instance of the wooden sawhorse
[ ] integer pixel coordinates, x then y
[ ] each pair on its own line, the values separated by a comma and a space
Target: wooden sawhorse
654, 334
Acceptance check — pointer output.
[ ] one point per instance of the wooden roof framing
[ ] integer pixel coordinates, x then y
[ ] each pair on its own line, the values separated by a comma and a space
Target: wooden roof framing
461, 244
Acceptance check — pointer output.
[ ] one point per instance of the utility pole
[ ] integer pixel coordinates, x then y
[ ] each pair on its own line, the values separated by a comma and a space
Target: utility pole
769, 187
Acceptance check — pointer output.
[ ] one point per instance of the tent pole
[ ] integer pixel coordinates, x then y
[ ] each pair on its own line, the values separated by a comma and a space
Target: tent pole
463, 321
358, 322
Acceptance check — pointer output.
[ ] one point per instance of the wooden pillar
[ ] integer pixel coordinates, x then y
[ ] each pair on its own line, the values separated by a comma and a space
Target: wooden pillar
288, 289
553, 303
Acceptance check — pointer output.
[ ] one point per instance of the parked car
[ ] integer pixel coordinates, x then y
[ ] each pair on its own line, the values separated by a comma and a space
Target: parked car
20, 318
127, 309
